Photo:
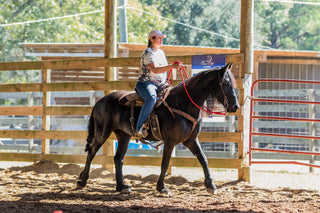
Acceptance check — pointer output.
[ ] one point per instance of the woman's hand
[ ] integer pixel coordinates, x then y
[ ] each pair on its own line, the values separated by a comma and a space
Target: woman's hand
177, 65
158, 70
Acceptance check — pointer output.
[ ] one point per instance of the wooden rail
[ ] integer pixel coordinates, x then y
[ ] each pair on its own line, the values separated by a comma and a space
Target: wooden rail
129, 160
74, 134
98, 62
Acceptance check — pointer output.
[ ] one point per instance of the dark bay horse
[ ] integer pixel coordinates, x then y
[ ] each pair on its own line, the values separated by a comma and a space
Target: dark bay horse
109, 116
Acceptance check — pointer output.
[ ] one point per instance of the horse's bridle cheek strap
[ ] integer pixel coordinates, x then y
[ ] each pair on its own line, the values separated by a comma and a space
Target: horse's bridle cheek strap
225, 98
225, 101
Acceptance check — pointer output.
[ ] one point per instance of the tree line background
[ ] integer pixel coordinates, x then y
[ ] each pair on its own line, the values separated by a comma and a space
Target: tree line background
212, 23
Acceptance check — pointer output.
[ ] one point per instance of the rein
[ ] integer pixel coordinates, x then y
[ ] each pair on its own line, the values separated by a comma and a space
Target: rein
183, 70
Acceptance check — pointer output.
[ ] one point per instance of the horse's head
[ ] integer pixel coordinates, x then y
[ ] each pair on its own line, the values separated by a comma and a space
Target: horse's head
227, 95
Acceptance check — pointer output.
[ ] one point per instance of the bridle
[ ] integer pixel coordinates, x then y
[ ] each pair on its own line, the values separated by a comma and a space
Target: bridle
225, 98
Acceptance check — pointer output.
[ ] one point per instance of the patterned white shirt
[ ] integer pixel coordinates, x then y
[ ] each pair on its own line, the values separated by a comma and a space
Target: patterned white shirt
159, 59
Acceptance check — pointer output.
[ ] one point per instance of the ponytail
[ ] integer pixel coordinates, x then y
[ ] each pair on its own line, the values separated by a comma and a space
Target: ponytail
149, 43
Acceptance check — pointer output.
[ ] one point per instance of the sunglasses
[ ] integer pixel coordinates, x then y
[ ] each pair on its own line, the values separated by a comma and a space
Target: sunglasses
154, 37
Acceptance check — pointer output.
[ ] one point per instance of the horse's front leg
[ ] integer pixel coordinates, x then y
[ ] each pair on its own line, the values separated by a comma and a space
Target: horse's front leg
194, 146
123, 142
167, 151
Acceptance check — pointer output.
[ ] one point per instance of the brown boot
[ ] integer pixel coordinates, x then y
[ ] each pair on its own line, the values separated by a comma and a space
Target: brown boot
142, 132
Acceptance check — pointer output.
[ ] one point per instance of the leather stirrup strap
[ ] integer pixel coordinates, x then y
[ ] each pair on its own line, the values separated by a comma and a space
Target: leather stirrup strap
133, 103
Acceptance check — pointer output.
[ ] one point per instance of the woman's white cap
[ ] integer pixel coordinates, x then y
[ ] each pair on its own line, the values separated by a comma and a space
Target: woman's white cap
158, 33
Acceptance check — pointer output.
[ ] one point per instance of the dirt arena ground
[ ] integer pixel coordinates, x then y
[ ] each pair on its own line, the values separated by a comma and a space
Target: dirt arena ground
50, 187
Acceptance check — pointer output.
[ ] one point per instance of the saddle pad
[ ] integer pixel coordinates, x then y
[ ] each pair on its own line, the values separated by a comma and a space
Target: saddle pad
128, 97
131, 96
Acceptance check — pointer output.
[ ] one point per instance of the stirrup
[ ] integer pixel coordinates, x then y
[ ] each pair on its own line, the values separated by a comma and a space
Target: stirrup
142, 132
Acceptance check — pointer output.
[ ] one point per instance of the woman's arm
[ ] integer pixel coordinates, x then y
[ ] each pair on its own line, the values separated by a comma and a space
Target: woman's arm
158, 70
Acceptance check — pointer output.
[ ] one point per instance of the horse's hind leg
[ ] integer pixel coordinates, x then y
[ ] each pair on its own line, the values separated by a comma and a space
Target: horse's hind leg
92, 148
195, 148
123, 142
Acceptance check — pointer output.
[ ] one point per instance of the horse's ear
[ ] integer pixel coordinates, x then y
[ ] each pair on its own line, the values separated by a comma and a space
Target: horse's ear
229, 66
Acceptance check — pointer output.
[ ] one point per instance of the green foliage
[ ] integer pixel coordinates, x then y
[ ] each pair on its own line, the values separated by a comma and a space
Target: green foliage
140, 24
220, 17
81, 29
287, 26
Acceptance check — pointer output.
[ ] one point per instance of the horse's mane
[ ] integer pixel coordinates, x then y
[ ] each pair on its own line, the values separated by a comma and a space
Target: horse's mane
179, 87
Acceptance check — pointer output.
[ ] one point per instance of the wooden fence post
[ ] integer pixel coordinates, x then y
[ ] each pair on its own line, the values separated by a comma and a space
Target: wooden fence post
110, 49
246, 70
30, 121
45, 118
232, 128
312, 129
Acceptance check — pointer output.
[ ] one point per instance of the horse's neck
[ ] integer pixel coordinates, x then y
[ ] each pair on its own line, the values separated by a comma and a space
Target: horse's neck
198, 91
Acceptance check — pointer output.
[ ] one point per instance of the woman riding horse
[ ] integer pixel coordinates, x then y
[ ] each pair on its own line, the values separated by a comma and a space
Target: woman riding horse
154, 66
179, 120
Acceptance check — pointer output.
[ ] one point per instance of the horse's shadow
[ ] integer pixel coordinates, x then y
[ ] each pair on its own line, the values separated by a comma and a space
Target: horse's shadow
89, 207
73, 195
143, 187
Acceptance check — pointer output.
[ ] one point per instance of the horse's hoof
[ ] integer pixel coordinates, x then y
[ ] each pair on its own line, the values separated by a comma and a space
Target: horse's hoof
80, 185
212, 191
124, 189
165, 191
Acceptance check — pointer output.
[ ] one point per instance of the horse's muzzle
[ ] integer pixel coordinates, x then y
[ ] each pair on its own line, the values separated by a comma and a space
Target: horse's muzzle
233, 108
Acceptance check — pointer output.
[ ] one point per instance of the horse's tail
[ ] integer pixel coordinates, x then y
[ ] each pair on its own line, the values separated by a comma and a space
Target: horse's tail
90, 132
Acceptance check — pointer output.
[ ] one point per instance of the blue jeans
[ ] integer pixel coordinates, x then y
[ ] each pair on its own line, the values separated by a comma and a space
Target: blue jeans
148, 93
